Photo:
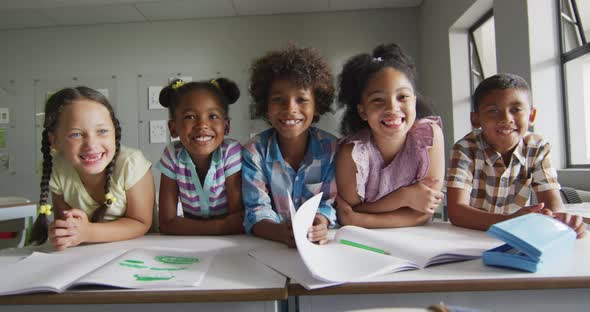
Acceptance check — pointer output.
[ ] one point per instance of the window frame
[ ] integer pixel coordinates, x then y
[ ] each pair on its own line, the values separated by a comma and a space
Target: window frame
566, 57
472, 43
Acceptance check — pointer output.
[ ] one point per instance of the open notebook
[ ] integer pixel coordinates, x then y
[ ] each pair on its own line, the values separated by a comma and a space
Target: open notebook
357, 254
136, 268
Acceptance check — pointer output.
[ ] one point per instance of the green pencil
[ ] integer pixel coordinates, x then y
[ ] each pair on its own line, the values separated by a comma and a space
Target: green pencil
369, 248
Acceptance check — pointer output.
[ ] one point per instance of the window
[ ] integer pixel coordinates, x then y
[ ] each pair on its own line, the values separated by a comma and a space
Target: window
482, 50
575, 61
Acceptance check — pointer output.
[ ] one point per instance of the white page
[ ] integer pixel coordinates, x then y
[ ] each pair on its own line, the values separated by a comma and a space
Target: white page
336, 262
48, 272
421, 247
287, 262
153, 267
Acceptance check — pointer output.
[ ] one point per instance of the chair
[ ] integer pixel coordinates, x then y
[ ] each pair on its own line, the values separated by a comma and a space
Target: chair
570, 195
16, 216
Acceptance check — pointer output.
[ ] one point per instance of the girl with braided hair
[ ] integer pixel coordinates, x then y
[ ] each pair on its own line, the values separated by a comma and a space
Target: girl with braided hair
101, 191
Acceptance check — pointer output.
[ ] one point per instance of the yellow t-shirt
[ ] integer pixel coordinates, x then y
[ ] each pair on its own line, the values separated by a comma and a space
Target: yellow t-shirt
130, 167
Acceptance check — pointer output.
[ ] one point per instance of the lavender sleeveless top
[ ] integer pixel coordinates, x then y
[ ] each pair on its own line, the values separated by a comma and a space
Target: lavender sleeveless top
374, 179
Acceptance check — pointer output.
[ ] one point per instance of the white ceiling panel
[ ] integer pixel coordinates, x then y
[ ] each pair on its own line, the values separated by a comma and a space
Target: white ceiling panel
186, 9
263, 7
338, 5
94, 15
49, 4
17, 14
17, 19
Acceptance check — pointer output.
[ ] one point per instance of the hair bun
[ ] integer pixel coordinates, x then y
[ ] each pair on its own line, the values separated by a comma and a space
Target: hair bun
168, 93
229, 89
393, 51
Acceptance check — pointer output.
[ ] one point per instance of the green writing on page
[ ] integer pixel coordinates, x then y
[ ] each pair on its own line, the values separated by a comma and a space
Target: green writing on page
361, 246
168, 269
176, 260
133, 264
134, 261
152, 278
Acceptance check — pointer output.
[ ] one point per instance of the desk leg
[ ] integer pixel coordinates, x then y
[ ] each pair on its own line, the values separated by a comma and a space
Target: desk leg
284, 305
290, 304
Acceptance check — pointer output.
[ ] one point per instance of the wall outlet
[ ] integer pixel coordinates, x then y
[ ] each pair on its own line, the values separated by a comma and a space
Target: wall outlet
154, 98
158, 131
4, 115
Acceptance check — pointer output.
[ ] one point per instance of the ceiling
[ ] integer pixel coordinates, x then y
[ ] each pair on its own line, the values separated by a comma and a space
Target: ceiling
20, 14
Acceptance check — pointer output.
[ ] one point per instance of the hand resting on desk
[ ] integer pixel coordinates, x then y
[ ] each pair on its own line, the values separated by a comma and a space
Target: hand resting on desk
69, 232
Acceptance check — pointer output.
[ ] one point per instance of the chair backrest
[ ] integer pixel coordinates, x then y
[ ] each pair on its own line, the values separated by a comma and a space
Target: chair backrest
568, 196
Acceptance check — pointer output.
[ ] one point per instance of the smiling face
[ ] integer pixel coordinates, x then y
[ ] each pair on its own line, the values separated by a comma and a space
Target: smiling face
504, 116
85, 136
199, 123
291, 109
388, 104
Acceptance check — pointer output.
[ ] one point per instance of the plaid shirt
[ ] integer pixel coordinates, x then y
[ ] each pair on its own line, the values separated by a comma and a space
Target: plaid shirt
477, 168
267, 179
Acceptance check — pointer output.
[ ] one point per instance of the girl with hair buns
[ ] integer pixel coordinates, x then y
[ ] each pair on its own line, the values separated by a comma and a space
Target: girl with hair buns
390, 167
101, 191
203, 168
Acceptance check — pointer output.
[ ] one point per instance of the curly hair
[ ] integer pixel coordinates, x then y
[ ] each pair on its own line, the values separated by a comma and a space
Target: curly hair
53, 108
357, 72
304, 67
224, 89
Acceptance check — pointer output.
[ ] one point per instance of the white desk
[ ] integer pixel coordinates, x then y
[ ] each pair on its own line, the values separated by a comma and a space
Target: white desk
234, 281
564, 287
582, 209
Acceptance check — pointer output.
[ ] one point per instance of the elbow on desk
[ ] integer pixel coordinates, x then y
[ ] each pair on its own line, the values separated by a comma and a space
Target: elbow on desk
459, 217
455, 216
166, 227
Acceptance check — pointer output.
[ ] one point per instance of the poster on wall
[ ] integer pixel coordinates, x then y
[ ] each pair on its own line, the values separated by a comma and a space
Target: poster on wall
3, 138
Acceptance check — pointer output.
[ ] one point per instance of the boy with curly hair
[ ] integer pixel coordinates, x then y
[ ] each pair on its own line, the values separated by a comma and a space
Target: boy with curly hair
291, 89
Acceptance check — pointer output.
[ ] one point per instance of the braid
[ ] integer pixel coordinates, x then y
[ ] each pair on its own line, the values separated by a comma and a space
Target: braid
100, 212
53, 108
39, 231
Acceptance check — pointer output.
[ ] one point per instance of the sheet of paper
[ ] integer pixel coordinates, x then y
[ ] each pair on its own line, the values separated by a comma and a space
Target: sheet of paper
336, 262
420, 247
288, 262
42, 271
150, 268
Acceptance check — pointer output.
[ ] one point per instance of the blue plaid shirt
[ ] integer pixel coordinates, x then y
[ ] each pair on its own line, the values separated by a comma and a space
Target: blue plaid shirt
267, 179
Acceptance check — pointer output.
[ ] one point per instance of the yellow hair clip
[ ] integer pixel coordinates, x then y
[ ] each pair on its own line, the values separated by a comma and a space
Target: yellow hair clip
45, 209
215, 83
179, 83
109, 199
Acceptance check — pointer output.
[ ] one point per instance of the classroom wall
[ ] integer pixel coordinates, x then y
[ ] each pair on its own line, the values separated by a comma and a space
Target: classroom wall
436, 17
127, 58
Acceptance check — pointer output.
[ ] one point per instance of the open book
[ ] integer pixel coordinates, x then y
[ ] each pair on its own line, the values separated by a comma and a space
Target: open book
136, 268
358, 254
